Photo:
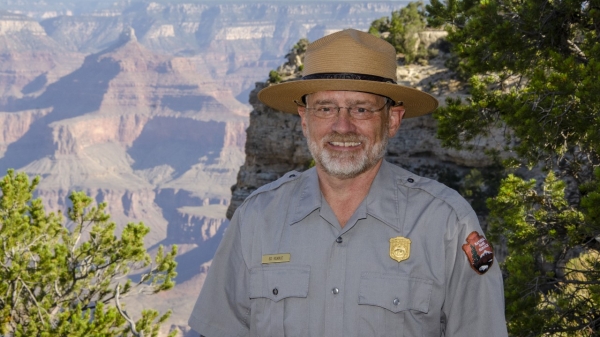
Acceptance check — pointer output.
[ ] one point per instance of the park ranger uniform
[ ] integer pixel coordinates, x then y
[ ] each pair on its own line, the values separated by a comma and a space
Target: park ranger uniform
411, 261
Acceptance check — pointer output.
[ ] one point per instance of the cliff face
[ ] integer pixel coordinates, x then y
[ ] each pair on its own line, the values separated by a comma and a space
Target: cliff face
189, 27
127, 125
29, 59
237, 43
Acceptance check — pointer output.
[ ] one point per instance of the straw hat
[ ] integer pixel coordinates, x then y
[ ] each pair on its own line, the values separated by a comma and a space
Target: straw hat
348, 60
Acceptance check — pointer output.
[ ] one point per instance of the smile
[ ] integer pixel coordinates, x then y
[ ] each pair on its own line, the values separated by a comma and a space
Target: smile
345, 144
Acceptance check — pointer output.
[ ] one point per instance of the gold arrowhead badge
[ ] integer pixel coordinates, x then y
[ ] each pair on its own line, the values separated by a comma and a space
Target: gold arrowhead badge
399, 248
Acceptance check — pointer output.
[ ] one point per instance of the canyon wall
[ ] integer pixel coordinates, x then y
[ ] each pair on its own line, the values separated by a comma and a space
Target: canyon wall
144, 106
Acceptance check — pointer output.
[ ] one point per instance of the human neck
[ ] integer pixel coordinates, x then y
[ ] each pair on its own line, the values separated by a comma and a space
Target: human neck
345, 195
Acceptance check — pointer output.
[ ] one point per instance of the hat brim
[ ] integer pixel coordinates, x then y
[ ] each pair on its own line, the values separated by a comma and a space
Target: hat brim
283, 96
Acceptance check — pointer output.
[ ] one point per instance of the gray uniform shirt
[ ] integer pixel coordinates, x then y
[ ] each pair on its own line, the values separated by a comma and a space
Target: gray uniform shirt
349, 281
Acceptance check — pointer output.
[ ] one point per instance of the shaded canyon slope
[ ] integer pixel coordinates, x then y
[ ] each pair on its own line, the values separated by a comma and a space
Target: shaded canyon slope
146, 133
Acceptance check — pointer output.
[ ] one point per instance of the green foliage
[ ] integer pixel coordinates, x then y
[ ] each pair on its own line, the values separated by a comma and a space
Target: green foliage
474, 255
591, 199
300, 47
401, 31
274, 77
479, 185
59, 282
476, 186
554, 265
533, 69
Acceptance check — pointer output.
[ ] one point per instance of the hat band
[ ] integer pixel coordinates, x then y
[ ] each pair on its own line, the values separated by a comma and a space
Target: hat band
347, 76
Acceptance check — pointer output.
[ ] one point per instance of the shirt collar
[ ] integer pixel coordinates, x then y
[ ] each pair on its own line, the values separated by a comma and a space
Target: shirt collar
382, 202
306, 198
383, 198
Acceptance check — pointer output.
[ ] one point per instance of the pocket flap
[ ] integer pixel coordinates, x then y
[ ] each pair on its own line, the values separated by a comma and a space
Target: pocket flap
279, 282
394, 293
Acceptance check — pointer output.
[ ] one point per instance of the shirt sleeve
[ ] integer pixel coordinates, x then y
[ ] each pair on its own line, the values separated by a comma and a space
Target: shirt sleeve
474, 303
223, 308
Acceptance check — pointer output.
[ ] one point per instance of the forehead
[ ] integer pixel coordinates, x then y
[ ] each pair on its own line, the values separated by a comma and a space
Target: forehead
343, 97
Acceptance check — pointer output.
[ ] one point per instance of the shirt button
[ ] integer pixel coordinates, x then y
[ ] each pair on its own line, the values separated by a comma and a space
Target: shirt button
275, 291
335, 291
339, 239
292, 175
410, 180
396, 301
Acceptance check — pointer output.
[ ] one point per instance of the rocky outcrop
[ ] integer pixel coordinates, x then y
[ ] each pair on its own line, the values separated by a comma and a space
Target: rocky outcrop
15, 125
29, 59
15, 24
274, 145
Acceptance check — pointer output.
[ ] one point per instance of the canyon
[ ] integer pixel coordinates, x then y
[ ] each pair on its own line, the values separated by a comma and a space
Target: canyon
145, 106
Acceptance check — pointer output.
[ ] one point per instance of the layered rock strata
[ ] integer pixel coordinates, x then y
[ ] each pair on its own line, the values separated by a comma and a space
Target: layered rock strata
129, 127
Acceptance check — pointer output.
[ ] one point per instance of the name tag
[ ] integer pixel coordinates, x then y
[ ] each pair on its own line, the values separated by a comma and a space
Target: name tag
276, 258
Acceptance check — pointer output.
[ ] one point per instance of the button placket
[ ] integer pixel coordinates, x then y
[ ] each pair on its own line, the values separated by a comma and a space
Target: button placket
335, 279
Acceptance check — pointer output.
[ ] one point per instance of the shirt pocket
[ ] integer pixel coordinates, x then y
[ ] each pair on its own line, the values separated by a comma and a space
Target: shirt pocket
392, 305
278, 297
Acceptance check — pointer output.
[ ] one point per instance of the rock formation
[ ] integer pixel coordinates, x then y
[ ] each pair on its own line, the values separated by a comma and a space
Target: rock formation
29, 59
127, 125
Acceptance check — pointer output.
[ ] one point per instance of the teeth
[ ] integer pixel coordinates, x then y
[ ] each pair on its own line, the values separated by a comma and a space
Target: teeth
345, 144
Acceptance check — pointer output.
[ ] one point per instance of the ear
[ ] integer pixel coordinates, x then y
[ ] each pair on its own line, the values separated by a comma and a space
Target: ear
302, 113
395, 119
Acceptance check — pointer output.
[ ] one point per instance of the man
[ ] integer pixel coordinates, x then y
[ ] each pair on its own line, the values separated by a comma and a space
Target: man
354, 246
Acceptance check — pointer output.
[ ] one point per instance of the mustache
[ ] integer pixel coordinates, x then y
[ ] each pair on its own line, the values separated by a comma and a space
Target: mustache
346, 137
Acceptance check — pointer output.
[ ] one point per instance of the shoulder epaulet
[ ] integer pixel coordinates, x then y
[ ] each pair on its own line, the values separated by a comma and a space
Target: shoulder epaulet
290, 176
439, 191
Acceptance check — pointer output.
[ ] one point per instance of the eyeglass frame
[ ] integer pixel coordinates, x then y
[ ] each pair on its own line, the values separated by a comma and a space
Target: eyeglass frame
371, 112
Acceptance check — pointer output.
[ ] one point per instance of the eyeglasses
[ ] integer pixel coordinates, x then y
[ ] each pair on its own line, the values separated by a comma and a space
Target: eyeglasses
355, 112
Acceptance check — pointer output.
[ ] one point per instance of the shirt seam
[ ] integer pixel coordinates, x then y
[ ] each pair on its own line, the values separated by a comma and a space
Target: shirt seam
452, 207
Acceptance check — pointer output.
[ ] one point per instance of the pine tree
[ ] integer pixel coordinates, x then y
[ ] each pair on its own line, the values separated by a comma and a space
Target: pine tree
401, 30
474, 255
61, 282
534, 69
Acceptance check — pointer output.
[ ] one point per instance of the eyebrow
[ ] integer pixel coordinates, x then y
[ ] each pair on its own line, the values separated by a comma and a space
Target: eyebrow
324, 101
354, 102
357, 102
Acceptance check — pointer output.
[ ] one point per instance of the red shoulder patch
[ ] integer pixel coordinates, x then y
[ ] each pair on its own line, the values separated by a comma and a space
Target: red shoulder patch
479, 252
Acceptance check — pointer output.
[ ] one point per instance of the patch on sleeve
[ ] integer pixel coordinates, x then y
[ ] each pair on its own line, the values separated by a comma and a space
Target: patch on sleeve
479, 252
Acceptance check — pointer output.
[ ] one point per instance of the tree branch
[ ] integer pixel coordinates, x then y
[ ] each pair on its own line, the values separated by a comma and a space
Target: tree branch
33, 298
124, 314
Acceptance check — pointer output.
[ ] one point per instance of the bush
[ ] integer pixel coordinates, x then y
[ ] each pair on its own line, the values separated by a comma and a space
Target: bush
62, 282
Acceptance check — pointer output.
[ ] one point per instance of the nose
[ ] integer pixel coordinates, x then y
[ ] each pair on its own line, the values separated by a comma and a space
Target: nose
342, 122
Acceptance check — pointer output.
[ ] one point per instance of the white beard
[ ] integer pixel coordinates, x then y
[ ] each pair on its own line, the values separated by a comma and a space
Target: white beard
345, 165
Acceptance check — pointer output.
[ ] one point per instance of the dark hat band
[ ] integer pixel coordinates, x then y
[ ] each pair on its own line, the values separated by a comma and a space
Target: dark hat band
347, 76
